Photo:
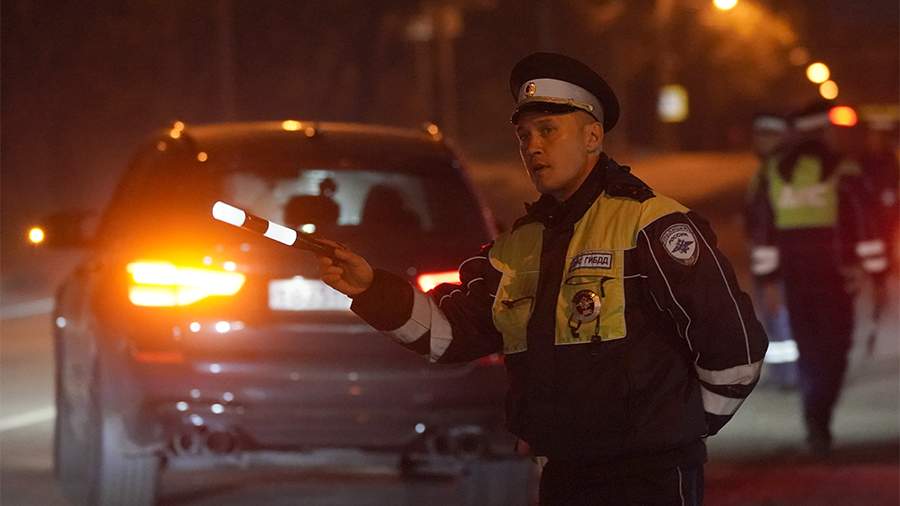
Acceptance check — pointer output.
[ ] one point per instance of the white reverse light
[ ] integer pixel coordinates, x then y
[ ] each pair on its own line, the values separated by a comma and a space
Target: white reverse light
229, 214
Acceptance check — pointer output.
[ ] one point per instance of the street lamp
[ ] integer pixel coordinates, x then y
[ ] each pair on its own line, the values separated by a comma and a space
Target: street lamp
828, 90
818, 72
725, 5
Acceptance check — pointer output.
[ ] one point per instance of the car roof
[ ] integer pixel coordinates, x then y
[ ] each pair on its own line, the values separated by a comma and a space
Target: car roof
316, 140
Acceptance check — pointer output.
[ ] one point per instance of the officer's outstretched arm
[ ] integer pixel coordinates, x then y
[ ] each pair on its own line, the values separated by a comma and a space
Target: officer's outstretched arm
691, 279
451, 323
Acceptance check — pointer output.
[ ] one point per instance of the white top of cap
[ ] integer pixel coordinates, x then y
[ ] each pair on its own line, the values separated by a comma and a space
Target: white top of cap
555, 91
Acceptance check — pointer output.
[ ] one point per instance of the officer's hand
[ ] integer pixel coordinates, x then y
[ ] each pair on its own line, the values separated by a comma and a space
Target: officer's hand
351, 275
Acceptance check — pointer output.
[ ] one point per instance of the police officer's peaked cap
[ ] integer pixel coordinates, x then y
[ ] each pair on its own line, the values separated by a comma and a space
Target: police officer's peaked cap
556, 83
812, 117
769, 122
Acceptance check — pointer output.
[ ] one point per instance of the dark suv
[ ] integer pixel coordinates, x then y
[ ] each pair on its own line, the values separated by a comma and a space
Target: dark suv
179, 336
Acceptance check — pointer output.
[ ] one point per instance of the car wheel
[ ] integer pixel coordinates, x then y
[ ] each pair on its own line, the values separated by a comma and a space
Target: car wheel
71, 458
496, 482
122, 472
122, 476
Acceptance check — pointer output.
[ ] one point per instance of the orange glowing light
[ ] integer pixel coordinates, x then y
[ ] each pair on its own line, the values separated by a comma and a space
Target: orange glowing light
36, 235
175, 133
428, 281
725, 5
828, 90
291, 125
818, 72
202, 156
163, 284
843, 116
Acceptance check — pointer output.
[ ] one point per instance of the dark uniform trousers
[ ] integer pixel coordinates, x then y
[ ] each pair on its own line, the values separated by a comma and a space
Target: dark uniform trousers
821, 320
563, 484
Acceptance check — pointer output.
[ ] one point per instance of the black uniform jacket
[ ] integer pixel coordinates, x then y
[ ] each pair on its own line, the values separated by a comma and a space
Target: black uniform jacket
691, 354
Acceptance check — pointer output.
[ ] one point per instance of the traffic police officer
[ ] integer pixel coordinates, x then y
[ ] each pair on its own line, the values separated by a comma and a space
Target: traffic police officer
770, 135
627, 340
817, 230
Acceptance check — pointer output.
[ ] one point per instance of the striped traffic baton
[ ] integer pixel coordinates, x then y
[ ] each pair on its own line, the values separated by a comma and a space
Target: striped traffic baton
239, 218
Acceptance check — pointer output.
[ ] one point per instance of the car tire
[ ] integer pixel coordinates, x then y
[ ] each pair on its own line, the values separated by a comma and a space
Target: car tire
71, 459
122, 477
125, 473
104, 468
499, 482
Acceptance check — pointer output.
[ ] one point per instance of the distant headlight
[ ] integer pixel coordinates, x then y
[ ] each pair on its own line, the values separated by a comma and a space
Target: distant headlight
157, 283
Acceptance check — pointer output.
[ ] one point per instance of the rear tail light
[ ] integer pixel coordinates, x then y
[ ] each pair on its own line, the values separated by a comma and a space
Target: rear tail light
842, 116
164, 284
490, 360
430, 280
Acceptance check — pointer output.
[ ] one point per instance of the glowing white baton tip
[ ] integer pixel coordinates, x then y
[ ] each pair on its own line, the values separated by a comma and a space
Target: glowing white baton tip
281, 233
229, 214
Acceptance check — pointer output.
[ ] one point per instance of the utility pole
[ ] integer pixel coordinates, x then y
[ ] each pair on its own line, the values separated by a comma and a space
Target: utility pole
665, 132
225, 58
448, 24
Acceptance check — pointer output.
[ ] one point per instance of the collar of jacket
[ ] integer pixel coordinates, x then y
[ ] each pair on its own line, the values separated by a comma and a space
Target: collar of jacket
553, 213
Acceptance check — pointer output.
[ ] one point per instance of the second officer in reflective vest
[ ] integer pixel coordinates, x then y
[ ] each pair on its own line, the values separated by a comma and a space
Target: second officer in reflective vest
817, 238
627, 339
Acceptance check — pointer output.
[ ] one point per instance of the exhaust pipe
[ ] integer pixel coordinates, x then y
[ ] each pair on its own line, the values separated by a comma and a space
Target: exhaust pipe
186, 443
221, 443
467, 441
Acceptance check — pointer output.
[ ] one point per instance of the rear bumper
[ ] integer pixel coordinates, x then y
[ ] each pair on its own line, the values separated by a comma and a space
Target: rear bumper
287, 406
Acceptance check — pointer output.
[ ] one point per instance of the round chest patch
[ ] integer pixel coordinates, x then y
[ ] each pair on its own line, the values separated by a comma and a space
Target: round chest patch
680, 243
585, 306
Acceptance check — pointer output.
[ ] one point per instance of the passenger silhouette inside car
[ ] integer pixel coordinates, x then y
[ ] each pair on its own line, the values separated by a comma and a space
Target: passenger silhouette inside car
386, 208
319, 210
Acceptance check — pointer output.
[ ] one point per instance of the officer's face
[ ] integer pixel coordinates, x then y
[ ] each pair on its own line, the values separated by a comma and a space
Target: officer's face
765, 141
558, 150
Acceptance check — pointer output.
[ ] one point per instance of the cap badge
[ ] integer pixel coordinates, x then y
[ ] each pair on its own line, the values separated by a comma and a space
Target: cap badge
530, 89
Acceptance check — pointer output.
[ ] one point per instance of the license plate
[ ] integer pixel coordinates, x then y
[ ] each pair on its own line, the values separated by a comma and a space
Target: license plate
299, 294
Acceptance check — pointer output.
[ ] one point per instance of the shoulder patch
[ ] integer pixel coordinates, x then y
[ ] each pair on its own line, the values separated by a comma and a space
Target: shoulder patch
680, 243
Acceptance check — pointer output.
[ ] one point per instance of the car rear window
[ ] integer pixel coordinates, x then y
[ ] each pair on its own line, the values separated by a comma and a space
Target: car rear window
420, 203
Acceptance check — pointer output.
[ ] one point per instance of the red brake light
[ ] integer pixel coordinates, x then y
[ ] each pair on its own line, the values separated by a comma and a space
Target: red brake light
490, 360
430, 280
842, 116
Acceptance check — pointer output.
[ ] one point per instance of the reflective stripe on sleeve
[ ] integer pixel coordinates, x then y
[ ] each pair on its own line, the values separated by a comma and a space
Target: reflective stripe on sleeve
719, 404
441, 332
869, 248
764, 260
739, 375
874, 265
419, 321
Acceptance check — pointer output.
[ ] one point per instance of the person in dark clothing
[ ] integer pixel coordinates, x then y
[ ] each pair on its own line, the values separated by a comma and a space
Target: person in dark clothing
816, 236
770, 136
626, 338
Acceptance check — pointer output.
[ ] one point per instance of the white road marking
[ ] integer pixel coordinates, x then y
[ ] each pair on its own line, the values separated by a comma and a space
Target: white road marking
29, 418
26, 309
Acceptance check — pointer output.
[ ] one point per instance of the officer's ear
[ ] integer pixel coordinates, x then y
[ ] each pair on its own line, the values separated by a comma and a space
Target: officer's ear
593, 135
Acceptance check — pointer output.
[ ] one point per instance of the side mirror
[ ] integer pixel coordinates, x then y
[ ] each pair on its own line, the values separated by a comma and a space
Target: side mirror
64, 229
